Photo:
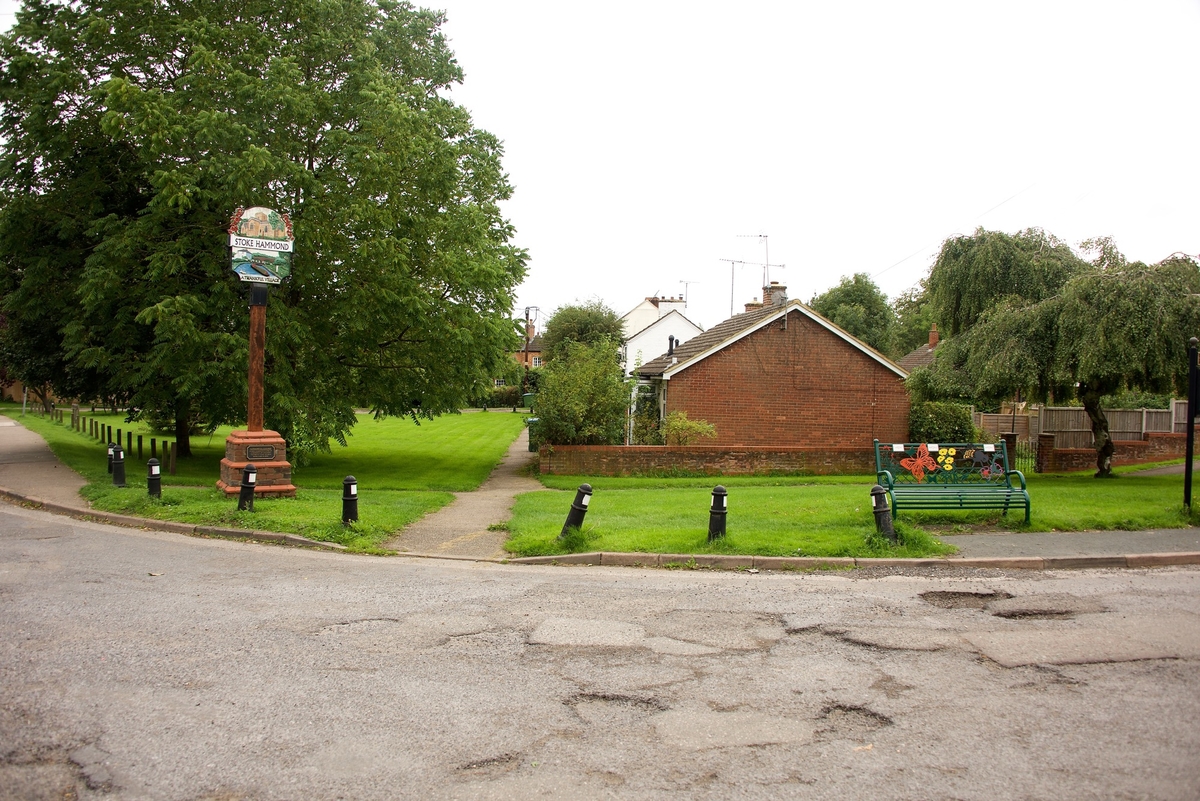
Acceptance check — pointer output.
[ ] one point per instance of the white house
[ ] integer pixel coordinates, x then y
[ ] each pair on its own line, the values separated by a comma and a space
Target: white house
651, 328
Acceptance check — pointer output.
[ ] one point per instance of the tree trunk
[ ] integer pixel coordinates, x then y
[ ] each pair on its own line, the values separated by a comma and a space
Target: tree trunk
1104, 443
42, 395
183, 428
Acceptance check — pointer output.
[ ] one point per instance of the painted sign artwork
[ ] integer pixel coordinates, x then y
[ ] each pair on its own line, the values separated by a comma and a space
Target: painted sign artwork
261, 243
947, 464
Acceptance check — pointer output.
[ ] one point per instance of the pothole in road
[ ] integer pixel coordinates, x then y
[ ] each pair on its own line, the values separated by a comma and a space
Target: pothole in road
850, 722
614, 712
370, 624
630, 701
490, 767
948, 599
1055, 606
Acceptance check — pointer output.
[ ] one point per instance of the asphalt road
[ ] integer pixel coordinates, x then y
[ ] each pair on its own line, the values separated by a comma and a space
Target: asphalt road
145, 665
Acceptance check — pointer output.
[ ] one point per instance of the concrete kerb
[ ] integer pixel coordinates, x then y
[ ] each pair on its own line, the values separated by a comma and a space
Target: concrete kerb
609, 559
722, 562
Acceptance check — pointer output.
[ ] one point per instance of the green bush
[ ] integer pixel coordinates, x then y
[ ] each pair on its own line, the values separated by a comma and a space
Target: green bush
505, 396
677, 429
584, 397
933, 421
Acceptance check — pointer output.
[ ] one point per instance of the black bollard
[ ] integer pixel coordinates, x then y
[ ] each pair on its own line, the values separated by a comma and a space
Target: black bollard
246, 496
110, 451
118, 466
154, 478
717, 513
883, 514
578, 509
349, 500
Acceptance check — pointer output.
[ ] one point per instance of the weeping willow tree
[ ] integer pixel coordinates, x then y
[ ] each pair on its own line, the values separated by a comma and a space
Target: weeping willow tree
1080, 328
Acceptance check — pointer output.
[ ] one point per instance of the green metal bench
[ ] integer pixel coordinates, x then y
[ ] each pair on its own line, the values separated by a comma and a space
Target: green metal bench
921, 475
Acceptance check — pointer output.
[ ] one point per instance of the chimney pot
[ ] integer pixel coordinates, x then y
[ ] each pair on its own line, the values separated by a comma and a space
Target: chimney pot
671, 344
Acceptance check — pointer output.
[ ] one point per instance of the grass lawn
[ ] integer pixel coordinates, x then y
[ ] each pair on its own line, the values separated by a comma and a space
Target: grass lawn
452, 453
817, 516
404, 471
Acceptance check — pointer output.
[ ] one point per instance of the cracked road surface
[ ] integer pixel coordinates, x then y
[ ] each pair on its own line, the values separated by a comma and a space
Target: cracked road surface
146, 665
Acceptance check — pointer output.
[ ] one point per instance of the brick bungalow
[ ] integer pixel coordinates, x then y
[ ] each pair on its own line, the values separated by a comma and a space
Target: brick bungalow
781, 374
786, 389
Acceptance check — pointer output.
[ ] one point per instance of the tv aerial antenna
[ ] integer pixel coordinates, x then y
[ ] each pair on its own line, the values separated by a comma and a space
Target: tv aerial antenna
686, 285
734, 263
766, 262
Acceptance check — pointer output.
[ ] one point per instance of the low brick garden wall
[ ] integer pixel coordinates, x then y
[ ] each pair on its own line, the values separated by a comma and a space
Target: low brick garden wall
729, 460
1151, 448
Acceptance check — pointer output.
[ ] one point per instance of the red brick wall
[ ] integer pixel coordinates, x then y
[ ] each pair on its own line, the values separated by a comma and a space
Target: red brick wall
620, 460
796, 386
1154, 448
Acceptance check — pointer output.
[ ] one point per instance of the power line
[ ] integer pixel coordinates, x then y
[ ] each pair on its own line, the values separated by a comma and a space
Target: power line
977, 217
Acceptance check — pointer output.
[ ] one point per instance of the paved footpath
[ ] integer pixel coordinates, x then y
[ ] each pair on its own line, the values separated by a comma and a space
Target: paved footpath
461, 528
30, 468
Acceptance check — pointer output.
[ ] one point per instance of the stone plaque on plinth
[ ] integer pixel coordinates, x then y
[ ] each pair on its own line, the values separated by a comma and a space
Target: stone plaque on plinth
266, 449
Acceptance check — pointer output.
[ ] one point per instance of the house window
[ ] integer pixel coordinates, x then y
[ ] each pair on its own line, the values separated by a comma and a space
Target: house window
537, 361
498, 382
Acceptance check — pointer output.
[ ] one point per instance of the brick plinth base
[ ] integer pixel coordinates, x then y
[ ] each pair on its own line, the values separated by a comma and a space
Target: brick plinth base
266, 449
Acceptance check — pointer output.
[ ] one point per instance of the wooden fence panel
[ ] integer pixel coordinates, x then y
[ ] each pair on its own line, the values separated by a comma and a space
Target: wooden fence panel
1072, 428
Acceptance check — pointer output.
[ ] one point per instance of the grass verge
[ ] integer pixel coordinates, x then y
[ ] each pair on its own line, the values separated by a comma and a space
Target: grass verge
821, 520
819, 515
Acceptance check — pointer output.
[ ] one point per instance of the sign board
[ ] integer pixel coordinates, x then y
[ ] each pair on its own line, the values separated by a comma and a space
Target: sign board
260, 240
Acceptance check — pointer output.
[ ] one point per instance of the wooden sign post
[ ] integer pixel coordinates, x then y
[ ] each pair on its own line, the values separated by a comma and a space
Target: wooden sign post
260, 240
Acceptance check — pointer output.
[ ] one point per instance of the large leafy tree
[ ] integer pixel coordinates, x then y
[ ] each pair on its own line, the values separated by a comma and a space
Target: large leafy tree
859, 307
583, 323
1113, 325
333, 110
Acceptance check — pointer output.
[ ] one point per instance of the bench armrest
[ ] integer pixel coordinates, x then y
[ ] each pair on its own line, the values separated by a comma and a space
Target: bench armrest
884, 477
1020, 477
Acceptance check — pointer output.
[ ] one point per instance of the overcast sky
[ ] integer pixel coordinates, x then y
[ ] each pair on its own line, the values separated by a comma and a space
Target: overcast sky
647, 141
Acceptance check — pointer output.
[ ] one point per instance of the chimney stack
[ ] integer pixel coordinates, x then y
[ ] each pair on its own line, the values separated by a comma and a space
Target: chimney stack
529, 330
933, 337
753, 306
775, 294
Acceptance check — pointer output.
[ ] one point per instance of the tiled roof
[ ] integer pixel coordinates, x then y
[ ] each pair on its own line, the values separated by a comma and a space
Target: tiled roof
920, 357
732, 329
706, 340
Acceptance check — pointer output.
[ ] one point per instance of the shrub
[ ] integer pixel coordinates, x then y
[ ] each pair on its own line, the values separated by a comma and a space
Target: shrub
583, 399
677, 429
505, 396
940, 422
